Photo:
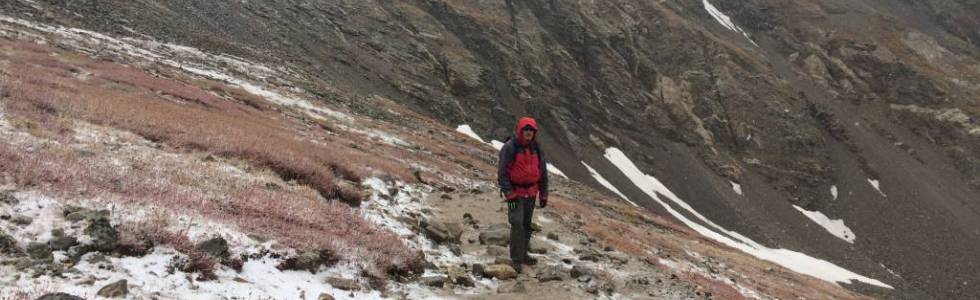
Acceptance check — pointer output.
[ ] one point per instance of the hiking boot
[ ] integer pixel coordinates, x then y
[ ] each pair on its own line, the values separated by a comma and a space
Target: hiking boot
530, 261
517, 267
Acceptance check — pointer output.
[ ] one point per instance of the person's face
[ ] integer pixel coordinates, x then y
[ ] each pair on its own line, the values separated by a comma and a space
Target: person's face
528, 133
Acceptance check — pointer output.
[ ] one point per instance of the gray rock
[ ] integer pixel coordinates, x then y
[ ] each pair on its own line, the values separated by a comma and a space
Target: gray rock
118, 289
552, 236
579, 270
514, 287
7, 197
105, 238
479, 270
325, 296
216, 247
444, 232
434, 281
496, 234
500, 271
464, 280
22, 220
550, 273
619, 258
59, 296
309, 260
8, 245
39, 251
60, 242
494, 250
343, 283
537, 248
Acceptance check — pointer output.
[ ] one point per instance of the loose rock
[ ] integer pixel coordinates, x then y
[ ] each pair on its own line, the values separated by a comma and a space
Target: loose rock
434, 281
479, 270
118, 289
343, 283
496, 234
550, 273
39, 251
104, 236
60, 296
217, 247
579, 270
494, 250
552, 236
8, 245
500, 271
22, 220
325, 296
7, 197
444, 232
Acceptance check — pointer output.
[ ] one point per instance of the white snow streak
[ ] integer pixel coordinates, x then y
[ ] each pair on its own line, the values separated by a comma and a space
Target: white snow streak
554, 170
737, 187
602, 180
833, 191
792, 260
877, 185
726, 21
835, 227
466, 130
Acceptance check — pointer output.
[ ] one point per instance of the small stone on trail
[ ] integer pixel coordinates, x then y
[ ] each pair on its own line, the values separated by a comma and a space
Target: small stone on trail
343, 283
500, 271
552, 236
514, 287
118, 289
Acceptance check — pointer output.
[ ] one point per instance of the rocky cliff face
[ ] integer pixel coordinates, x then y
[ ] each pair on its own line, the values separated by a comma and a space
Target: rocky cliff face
864, 110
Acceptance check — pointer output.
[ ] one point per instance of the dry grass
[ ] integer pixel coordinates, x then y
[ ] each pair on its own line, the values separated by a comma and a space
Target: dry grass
139, 237
186, 117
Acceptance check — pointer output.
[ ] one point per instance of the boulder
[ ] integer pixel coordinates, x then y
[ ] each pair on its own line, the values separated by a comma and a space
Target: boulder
105, 238
500, 271
434, 281
444, 232
550, 273
217, 247
538, 248
60, 242
7, 197
579, 270
343, 283
494, 250
118, 289
22, 220
479, 270
309, 260
496, 234
8, 245
59, 296
39, 251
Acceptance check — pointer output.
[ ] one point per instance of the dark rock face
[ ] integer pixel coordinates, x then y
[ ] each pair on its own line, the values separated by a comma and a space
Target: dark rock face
8, 245
826, 93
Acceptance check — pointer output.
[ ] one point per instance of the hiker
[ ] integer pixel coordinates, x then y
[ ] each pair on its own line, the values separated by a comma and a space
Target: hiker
523, 177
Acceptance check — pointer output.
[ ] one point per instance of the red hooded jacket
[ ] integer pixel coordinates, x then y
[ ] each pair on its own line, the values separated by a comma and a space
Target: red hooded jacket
523, 171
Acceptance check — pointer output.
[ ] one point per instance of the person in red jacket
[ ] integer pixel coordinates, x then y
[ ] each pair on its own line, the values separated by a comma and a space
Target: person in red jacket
523, 177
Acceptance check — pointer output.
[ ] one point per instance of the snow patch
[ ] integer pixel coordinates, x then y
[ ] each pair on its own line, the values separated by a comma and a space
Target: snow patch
833, 191
602, 180
737, 187
725, 20
877, 185
835, 227
554, 170
497, 144
796, 261
466, 130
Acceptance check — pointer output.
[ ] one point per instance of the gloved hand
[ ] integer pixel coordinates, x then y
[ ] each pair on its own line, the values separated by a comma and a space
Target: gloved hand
511, 200
543, 200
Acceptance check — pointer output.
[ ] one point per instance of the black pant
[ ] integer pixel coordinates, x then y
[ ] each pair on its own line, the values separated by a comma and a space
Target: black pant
520, 228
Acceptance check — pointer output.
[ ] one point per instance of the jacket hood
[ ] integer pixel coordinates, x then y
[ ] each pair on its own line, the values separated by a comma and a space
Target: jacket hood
526, 121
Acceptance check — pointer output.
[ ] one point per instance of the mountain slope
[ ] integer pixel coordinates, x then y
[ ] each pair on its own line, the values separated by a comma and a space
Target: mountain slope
863, 111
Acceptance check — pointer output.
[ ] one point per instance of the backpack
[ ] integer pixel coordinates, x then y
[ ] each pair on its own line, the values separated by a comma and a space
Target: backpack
518, 148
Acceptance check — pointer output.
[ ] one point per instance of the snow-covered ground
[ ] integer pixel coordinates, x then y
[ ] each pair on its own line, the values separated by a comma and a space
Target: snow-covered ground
736, 187
149, 277
835, 227
792, 260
